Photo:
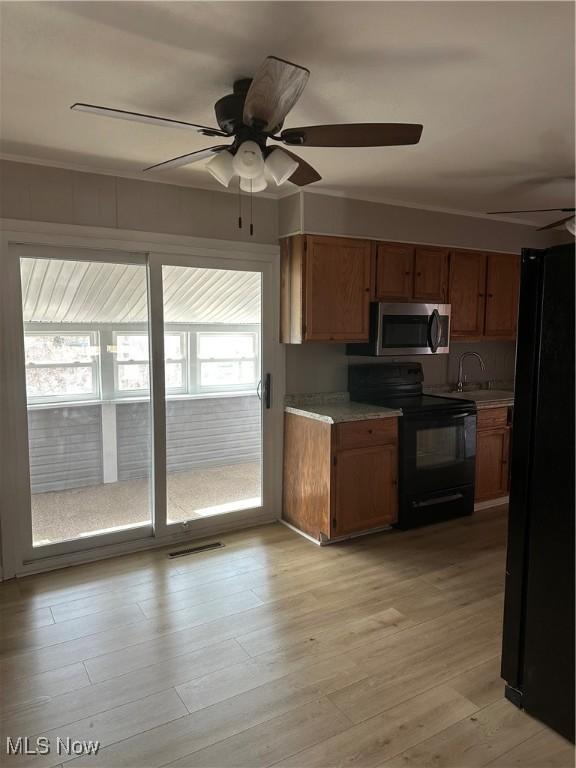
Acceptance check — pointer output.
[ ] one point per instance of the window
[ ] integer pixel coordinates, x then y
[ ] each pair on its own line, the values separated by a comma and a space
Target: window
227, 361
62, 366
131, 362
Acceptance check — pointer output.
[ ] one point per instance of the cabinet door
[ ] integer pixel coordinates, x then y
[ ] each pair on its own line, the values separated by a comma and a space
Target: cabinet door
502, 283
467, 288
336, 289
431, 274
394, 272
492, 449
366, 489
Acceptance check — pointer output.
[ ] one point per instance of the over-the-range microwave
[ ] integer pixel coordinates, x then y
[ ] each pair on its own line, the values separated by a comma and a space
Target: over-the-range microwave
406, 329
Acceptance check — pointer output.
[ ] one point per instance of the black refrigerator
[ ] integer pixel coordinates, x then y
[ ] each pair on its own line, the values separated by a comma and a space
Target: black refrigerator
538, 640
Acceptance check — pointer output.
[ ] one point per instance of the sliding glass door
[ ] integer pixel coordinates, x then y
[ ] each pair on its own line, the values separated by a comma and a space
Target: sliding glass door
146, 412
89, 445
212, 348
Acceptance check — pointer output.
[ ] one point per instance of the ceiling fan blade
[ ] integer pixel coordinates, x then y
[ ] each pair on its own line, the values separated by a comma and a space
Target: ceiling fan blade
276, 87
137, 117
533, 210
353, 135
304, 174
191, 157
555, 223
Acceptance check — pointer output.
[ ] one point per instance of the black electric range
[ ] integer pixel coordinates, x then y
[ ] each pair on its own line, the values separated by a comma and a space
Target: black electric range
437, 441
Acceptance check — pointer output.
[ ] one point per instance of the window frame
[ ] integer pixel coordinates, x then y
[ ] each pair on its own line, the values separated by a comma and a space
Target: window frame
95, 365
184, 363
208, 389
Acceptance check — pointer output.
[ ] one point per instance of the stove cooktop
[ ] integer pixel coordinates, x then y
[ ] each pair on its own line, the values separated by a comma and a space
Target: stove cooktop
413, 403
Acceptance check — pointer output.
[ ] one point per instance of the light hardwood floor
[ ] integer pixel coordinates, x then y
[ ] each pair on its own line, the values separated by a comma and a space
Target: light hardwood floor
383, 651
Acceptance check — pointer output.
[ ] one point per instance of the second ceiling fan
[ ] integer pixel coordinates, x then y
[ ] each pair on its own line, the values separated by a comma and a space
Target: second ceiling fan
253, 115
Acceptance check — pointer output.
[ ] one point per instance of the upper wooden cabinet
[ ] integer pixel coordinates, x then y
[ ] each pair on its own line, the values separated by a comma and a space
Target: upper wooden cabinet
483, 294
394, 272
502, 285
467, 294
325, 289
411, 273
431, 274
327, 284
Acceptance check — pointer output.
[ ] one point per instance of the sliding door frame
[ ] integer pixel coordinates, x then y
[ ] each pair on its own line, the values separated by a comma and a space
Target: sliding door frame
15, 496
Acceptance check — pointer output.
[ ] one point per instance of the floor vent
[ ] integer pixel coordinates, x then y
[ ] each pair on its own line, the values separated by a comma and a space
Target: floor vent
194, 550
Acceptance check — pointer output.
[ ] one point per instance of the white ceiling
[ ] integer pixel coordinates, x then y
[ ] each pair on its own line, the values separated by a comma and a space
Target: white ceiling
492, 82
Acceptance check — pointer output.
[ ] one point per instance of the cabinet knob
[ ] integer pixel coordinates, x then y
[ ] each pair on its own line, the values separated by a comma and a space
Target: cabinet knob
370, 431
406, 273
418, 274
490, 295
481, 295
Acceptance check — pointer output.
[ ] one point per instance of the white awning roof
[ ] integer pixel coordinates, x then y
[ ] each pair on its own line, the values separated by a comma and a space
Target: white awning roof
63, 291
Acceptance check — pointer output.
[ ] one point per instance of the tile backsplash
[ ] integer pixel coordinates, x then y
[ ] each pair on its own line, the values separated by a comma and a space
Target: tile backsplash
324, 367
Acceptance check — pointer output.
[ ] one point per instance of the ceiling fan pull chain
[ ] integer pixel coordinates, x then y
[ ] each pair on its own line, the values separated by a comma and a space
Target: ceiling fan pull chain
239, 206
251, 217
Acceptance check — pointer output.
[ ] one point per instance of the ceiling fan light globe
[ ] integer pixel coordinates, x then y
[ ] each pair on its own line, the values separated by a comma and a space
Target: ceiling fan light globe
221, 166
248, 160
280, 166
571, 225
258, 184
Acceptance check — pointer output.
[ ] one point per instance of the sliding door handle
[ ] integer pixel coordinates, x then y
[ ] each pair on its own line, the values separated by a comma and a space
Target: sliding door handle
264, 389
268, 390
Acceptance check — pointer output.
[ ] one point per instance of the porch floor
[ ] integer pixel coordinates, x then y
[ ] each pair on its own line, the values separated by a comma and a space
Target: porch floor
195, 493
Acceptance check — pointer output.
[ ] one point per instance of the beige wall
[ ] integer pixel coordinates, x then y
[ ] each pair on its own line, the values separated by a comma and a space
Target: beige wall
42, 193
326, 214
324, 367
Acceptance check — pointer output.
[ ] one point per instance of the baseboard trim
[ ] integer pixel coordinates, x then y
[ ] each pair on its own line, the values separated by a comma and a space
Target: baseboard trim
491, 503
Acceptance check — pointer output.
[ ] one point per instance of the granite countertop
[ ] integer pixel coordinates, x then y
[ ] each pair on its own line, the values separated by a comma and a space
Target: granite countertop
484, 398
335, 408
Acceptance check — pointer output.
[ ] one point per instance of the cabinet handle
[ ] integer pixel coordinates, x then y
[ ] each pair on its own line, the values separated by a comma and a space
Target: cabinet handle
481, 295
490, 295
418, 274
407, 273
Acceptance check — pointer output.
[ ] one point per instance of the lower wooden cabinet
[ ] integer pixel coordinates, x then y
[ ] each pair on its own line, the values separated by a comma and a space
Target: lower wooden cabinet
366, 489
340, 479
492, 453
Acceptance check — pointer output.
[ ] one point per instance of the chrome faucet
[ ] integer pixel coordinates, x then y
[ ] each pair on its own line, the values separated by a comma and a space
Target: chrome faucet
460, 384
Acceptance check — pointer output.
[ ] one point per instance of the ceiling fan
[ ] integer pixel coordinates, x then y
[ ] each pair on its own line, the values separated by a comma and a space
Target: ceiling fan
568, 221
254, 114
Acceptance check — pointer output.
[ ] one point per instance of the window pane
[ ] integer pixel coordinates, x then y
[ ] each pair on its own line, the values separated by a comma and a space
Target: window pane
133, 347
173, 346
59, 348
173, 376
133, 377
46, 382
225, 345
227, 373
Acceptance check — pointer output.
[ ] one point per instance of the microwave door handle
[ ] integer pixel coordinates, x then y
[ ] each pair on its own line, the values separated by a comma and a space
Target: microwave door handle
434, 341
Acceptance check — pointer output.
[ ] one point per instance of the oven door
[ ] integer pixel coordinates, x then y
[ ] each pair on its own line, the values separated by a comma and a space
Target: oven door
438, 451
412, 329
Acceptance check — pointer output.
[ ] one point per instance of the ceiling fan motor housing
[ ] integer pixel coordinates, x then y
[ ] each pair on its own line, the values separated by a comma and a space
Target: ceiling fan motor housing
229, 115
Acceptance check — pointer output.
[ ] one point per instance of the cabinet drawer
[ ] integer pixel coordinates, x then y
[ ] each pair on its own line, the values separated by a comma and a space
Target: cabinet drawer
355, 434
492, 417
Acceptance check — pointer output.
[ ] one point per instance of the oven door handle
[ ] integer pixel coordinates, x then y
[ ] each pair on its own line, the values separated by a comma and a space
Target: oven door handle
434, 322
